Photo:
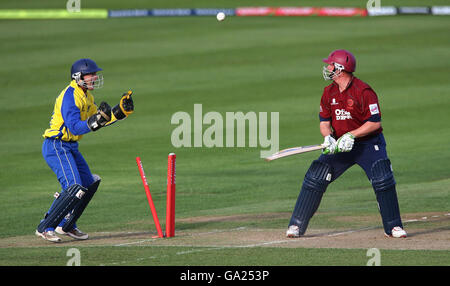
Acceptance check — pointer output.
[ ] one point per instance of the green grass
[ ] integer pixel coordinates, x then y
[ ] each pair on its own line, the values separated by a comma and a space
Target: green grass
243, 64
200, 256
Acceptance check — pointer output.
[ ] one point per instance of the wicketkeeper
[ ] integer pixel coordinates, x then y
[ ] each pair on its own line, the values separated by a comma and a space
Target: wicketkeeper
74, 115
350, 122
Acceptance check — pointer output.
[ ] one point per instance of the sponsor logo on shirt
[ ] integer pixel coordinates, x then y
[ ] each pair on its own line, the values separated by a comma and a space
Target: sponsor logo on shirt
373, 109
342, 114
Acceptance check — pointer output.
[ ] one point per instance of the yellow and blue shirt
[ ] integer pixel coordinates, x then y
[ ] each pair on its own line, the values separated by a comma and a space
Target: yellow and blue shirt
72, 109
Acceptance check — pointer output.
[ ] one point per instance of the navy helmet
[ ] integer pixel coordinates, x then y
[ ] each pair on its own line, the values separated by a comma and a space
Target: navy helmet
82, 67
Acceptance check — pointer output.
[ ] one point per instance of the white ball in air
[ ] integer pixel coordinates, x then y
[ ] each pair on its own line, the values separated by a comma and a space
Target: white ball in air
220, 16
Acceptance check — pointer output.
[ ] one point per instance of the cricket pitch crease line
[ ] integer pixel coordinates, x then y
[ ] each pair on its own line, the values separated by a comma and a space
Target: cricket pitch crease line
222, 247
192, 234
422, 219
287, 240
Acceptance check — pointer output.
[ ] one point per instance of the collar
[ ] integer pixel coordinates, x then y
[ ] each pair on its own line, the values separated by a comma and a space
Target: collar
348, 84
77, 87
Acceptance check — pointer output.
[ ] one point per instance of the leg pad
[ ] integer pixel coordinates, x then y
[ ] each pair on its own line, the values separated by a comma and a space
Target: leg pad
63, 204
81, 205
383, 183
314, 186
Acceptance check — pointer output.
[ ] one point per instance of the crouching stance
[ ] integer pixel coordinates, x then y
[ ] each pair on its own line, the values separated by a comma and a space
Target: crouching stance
350, 121
74, 115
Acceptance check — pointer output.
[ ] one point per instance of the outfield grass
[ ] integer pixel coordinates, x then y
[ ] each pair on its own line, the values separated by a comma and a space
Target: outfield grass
261, 64
201, 256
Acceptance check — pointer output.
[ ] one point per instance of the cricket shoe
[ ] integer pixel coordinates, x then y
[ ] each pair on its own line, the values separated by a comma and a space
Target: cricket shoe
74, 233
48, 235
293, 231
397, 232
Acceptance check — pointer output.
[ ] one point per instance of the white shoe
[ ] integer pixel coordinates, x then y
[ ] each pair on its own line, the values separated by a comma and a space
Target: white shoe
397, 232
293, 231
48, 235
74, 233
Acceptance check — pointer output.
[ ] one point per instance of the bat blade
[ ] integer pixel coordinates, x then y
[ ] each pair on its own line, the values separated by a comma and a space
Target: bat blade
293, 151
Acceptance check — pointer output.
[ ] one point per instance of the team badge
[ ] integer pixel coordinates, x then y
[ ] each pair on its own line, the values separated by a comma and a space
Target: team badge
350, 103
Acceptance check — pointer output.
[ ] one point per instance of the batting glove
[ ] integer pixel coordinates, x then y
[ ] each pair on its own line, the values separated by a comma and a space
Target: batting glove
345, 143
330, 145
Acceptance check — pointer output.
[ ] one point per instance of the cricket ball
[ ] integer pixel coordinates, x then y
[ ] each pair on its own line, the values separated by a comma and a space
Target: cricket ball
220, 16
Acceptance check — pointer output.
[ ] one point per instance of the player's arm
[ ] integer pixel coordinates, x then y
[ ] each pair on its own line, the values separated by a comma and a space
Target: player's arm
70, 112
371, 113
366, 129
325, 128
329, 142
345, 143
325, 116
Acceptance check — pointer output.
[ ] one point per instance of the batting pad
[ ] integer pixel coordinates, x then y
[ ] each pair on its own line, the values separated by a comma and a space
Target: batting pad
383, 183
314, 185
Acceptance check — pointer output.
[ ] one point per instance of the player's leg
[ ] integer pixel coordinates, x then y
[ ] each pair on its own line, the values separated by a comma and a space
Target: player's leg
383, 183
378, 169
62, 163
321, 173
91, 182
62, 205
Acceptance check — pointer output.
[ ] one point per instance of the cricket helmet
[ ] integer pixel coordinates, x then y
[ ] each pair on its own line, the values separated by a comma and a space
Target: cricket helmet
342, 60
82, 67
342, 57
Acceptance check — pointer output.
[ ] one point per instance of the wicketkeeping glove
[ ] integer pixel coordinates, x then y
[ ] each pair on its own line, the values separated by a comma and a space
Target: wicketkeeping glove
125, 106
330, 145
345, 143
99, 119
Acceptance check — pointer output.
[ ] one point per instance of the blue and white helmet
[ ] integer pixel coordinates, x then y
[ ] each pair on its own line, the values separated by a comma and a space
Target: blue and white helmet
86, 66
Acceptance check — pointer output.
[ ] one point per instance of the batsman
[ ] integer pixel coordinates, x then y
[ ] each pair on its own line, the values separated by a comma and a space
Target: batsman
74, 115
350, 122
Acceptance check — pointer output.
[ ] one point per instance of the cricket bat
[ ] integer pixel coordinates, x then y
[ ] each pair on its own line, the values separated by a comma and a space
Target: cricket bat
294, 151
